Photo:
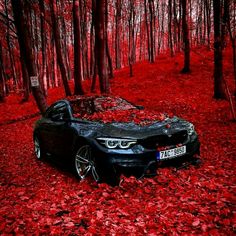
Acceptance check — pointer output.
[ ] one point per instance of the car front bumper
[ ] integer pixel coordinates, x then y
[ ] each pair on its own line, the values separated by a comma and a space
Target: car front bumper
138, 158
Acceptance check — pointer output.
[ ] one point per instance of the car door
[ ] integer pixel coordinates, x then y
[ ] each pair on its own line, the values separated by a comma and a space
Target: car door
59, 130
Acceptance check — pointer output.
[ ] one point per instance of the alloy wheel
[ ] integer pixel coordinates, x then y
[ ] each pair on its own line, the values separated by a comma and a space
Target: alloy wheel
84, 164
37, 148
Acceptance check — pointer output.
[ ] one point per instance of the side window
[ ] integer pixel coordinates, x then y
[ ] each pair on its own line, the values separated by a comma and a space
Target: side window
58, 111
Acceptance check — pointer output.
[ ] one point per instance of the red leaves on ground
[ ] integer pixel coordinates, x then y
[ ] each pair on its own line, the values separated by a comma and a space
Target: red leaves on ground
42, 198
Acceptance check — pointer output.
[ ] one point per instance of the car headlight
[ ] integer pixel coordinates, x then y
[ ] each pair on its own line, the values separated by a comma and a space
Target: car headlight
190, 129
113, 143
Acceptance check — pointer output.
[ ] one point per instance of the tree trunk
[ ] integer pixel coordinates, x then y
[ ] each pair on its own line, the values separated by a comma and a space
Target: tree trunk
77, 49
93, 86
111, 74
100, 43
219, 92
151, 12
55, 68
232, 36
57, 38
26, 51
147, 28
2, 78
186, 68
110, 67
44, 46
93, 49
131, 36
117, 34
65, 49
179, 26
175, 23
11, 56
92, 40
170, 28
36, 41
208, 21
84, 36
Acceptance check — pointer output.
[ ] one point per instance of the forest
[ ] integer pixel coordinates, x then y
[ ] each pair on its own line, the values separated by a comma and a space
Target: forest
174, 56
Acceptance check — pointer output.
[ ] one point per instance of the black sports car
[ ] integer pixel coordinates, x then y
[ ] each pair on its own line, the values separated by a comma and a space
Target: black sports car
105, 135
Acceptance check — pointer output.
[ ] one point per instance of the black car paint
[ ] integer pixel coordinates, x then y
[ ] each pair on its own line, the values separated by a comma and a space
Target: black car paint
61, 135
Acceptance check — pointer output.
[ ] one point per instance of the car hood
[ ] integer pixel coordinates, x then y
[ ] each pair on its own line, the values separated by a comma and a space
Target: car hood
135, 131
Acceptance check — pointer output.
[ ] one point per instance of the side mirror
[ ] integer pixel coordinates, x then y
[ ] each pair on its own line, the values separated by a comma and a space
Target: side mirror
140, 107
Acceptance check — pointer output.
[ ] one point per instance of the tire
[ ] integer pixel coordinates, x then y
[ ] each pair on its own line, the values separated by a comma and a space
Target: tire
111, 176
39, 152
84, 163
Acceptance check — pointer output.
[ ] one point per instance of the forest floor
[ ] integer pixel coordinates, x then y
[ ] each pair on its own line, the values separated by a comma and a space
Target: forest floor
38, 197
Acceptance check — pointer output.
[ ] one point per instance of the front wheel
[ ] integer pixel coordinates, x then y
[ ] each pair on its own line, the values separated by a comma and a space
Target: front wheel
84, 163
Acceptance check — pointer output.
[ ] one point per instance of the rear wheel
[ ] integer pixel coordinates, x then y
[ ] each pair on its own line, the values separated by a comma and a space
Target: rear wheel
38, 149
85, 164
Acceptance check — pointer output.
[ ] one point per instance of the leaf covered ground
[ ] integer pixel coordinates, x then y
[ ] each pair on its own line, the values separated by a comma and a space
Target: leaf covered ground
44, 198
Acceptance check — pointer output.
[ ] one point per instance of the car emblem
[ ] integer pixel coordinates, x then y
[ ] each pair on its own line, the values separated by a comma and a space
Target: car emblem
166, 131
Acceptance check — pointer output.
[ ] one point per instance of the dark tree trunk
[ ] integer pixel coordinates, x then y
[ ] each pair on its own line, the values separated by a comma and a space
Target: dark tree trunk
232, 35
233, 41
2, 78
93, 49
92, 41
110, 67
219, 91
84, 36
131, 36
117, 34
93, 86
170, 28
208, 20
77, 49
175, 23
147, 28
140, 40
161, 28
65, 48
26, 81
111, 74
44, 45
179, 26
151, 12
100, 43
186, 68
11, 56
36, 39
26, 51
57, 38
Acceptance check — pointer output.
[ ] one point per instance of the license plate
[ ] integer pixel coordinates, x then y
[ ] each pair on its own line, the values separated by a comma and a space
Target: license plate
170, 153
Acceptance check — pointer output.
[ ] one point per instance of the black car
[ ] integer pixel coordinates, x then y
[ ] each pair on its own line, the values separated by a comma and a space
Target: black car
107, 135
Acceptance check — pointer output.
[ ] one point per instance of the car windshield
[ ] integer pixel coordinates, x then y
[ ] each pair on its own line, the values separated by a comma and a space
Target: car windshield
112, 103
111, 109
91, 105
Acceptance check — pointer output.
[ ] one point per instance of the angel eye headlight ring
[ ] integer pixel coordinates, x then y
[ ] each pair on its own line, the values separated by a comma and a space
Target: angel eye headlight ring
113, 143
